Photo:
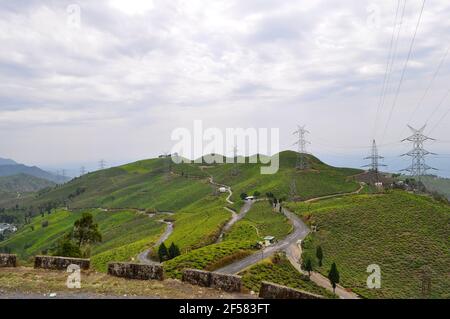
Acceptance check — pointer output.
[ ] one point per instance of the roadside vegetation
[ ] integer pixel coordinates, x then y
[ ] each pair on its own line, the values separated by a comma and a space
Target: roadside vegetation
279, 270
262, 220
405, 234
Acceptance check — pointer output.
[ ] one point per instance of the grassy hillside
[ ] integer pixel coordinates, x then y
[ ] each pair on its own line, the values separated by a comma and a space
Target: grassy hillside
125, 234
280, 271
145, 185
23, 183
402, 233
199, 224
437, 184
260, 221
319, 180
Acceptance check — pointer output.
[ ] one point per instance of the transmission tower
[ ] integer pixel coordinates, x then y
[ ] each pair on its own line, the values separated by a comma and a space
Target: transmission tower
301, 143
82, 171
375, 159
418, 167
102, 164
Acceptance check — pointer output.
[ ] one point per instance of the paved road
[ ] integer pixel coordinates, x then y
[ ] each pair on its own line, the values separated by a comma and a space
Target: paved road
235, 218
143, 257
300, 232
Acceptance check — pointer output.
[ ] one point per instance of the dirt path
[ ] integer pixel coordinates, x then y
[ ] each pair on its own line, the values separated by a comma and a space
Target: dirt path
312, 200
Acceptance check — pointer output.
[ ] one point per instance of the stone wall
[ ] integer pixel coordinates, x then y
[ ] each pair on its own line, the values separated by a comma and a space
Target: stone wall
197, 277
136, 271
228, 283
8, 260
274, 291
60, 263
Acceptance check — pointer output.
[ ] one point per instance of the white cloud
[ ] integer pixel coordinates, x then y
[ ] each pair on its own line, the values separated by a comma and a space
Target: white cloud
150, 66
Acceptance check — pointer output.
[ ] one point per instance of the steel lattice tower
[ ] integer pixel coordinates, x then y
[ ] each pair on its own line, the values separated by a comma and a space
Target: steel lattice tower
418, 167
375, 159
301, 143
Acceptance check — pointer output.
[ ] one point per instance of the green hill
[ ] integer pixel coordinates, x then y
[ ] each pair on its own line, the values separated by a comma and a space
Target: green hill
437, 184
319, 180
404, 234
23, 183
125, 234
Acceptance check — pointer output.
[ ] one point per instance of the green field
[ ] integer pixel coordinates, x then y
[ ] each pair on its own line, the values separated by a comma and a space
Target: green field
125, 234
211, 257
260, 221
319, 180
404, 234
200, 223
279, 270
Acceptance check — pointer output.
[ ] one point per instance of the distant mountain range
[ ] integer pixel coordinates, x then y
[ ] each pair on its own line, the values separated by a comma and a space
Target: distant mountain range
10, 168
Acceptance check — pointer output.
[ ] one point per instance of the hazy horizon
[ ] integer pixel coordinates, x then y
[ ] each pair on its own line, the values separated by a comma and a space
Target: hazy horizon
113, 80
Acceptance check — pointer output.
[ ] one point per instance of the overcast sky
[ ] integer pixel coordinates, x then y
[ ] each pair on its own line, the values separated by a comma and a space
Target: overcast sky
115, 83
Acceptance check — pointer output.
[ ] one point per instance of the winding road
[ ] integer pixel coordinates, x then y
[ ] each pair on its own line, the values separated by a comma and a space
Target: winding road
291, 245
143, 257
299, 233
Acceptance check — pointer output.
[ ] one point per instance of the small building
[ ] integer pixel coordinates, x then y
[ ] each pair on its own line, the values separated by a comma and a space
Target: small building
269, 240
223, 189
250, 198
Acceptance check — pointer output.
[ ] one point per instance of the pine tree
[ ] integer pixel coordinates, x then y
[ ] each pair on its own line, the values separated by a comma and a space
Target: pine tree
163, 254
333, 276
319, 255
174, 251
308, 266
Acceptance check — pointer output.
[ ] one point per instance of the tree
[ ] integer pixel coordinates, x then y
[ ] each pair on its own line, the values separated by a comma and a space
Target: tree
308, 266
333, 276
256, 194
319, 255
67, 248
163, 254
85, 231
244, 196
174, 251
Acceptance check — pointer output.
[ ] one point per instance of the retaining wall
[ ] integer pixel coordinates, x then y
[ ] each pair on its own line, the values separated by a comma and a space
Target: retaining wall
7, 260
273, 291
136, 271
60, 263
228, 283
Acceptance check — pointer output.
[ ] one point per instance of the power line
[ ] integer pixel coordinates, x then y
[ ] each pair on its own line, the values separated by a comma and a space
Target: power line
438, 106
389, 64
404, 70
419, 104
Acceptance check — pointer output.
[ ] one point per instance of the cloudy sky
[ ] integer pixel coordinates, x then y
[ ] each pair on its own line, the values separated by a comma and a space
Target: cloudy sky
81, 81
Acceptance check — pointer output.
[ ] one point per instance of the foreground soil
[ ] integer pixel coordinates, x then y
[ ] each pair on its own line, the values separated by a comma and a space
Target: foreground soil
29, 283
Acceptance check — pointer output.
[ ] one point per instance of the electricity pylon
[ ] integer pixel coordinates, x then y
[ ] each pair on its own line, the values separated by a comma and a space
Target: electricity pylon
102, 164
301, 143
82, 171
418, 166
375, 161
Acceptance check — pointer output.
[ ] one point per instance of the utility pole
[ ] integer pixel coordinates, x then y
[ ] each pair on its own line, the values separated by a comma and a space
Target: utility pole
418, 166
102, 164
302, 162
375, 161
